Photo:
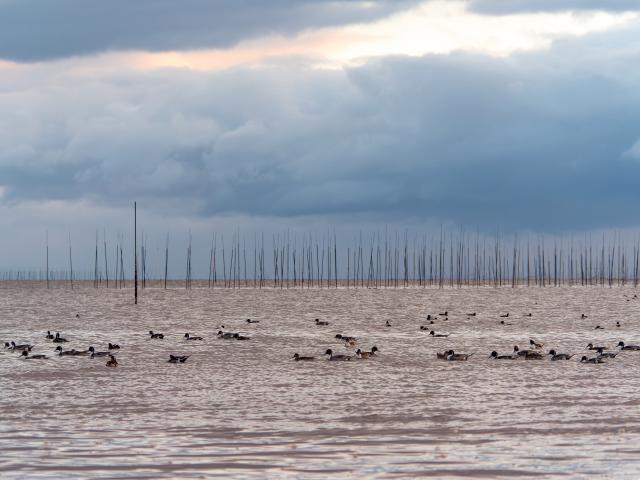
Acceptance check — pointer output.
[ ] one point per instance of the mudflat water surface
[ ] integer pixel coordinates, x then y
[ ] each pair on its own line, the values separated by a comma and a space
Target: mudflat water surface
246, 409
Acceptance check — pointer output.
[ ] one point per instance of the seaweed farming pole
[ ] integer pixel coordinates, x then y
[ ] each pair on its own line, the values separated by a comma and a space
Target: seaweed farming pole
47, 247
70, 263
135, 252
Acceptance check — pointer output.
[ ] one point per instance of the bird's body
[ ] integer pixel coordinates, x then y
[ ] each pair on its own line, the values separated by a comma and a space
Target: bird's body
603, 354
300, 358
339, 358
22, 346
364, 354
40, 356
559, 356
95, 354
59, 339
584, 359
156, 336
438, 335
458, 357
187, 336
494, 356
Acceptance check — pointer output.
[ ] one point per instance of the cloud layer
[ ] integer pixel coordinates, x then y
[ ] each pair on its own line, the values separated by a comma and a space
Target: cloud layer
533, 141
32, 30
513, 6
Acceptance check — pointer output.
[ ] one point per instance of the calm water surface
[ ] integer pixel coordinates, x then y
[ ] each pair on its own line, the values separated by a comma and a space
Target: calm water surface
246, 410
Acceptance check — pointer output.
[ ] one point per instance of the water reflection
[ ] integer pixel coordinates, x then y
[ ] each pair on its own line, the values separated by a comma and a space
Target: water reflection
247, 410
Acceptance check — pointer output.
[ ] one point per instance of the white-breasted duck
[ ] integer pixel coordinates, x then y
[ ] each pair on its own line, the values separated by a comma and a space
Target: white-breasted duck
225, 335
112, 362
25, 354
177, 358
114, 346
156, 336
301, 358
590, 346
623, 346
583, 316
191, 337
321, 323
494, 356
445, 314
598, 327
339, 358
506, 315
49, 335
559, 356
618, 324
387, 324
471, 314
502, 322
252, 321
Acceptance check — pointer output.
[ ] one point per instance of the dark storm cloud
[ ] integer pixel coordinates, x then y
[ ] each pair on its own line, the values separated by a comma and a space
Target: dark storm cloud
33, 30
516, 6
542, 141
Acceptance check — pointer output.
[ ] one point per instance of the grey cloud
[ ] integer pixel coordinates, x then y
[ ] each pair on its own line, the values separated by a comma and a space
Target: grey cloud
32, 30
534, 141
516, 6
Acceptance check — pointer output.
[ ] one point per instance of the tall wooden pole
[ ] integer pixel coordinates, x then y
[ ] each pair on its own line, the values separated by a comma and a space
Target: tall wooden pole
135, 250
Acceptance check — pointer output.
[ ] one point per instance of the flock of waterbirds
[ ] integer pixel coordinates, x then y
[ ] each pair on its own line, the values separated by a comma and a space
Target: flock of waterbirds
533, 352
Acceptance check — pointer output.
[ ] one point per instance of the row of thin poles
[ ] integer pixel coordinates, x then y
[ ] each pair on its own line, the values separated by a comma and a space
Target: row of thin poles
377, 260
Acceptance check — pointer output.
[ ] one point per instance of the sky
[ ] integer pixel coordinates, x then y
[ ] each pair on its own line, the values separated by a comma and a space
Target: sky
522, 115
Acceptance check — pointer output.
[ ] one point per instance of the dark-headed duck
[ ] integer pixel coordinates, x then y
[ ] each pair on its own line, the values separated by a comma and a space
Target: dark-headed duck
628, 347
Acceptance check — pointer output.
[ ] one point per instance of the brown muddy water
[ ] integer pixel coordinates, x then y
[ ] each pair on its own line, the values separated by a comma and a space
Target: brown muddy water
245, 409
